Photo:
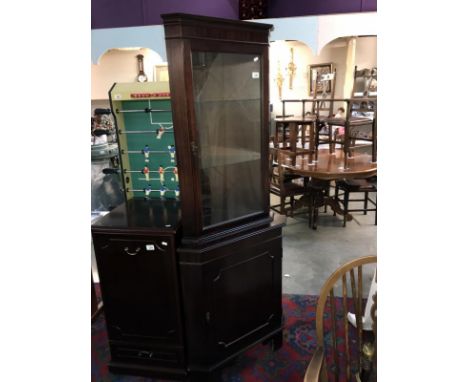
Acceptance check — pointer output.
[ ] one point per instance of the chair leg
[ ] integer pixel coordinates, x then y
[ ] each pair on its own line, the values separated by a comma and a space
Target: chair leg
345, 212
327, 195
336, 198
375, 209
282, 203
312, 211
366, 197
315, 215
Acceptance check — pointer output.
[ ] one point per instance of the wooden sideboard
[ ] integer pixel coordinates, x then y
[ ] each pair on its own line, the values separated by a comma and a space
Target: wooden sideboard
184, 315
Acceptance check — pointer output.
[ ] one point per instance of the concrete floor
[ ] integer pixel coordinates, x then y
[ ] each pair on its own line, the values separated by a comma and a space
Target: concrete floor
310, 257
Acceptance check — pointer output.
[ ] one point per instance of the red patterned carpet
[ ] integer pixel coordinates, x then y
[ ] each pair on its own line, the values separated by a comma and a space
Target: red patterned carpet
260, 363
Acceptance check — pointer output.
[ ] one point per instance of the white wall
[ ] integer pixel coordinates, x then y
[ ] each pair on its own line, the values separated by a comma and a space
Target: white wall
366, 52
120, 66
280, 55
334, 52
303, 57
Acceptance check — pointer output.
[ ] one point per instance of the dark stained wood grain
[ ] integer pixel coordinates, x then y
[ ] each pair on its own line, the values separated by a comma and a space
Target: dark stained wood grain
137, 264
297, 119
184, 35
138, 214
353, 121
293, 123
229, 274
206, 294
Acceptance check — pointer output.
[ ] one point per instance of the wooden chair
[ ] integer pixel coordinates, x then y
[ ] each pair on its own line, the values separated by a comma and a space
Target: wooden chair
318, 190
349, 186
323, 106
352, 359
283, 184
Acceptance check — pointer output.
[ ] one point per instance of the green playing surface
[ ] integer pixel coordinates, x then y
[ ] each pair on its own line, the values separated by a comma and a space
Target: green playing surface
146, 127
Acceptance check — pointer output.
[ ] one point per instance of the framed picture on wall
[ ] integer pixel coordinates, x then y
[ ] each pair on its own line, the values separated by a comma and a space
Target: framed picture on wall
320, 78
161, 73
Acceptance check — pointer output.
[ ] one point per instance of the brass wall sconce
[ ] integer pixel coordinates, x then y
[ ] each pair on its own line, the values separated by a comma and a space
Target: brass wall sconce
291, 69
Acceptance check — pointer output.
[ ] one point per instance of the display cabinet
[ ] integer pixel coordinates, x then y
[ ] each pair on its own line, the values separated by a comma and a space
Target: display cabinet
219, 90
230, 255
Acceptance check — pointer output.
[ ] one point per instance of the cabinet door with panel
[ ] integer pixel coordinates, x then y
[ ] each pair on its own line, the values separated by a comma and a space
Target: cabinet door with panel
139, 287
233, 299
238, 299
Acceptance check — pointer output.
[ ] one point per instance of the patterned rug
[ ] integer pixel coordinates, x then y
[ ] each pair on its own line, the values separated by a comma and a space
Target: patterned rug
260, 363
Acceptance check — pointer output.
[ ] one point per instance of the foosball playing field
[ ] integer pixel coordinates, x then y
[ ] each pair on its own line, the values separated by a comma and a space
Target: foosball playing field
146, 139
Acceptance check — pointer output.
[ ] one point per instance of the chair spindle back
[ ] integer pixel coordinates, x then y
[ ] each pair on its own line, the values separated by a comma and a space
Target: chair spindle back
343, 349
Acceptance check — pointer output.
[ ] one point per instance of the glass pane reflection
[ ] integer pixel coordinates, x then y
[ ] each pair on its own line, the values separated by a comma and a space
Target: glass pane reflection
227, 94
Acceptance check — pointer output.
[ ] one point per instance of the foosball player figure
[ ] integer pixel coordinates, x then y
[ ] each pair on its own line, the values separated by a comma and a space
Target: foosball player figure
161, 173
147, 191
177, 192
160, 133
176, 174
146, 172
146, 153
172, 152
163, 190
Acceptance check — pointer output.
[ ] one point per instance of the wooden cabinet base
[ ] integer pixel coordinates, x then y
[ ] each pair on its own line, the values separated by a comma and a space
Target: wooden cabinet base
192, 373
231, 295
147, 370
185, 311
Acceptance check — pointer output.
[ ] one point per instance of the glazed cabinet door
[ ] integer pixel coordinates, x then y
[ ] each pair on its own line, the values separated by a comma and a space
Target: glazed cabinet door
219, 92
139, 287
227, 93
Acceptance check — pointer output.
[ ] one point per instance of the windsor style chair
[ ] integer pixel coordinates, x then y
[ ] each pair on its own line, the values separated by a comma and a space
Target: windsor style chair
344, 353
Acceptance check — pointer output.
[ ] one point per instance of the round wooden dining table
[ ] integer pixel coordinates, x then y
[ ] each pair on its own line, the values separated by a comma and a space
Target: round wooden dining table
328, 167
331, 166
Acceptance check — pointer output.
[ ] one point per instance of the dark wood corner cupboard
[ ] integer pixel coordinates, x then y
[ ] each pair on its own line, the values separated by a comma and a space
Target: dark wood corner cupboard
188, 285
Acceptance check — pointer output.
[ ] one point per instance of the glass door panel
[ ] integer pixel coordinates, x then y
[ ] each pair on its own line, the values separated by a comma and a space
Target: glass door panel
227, 100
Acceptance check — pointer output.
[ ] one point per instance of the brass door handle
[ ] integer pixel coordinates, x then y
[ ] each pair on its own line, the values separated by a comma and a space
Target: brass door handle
132, 253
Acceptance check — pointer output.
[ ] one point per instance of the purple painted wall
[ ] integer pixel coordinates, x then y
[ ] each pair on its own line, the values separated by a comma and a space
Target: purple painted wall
369, 6
130, 13
289, 8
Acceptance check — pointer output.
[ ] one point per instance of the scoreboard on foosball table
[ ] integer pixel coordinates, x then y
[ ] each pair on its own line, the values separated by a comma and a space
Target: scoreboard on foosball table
143, 116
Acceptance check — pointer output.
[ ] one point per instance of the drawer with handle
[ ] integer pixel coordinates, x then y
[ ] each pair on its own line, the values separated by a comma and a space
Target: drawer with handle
133, 246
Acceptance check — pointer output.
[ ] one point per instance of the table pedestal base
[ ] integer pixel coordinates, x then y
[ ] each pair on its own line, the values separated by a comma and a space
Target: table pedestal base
318, 197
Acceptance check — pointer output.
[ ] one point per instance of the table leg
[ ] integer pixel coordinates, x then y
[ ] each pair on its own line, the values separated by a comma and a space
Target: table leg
336, 208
